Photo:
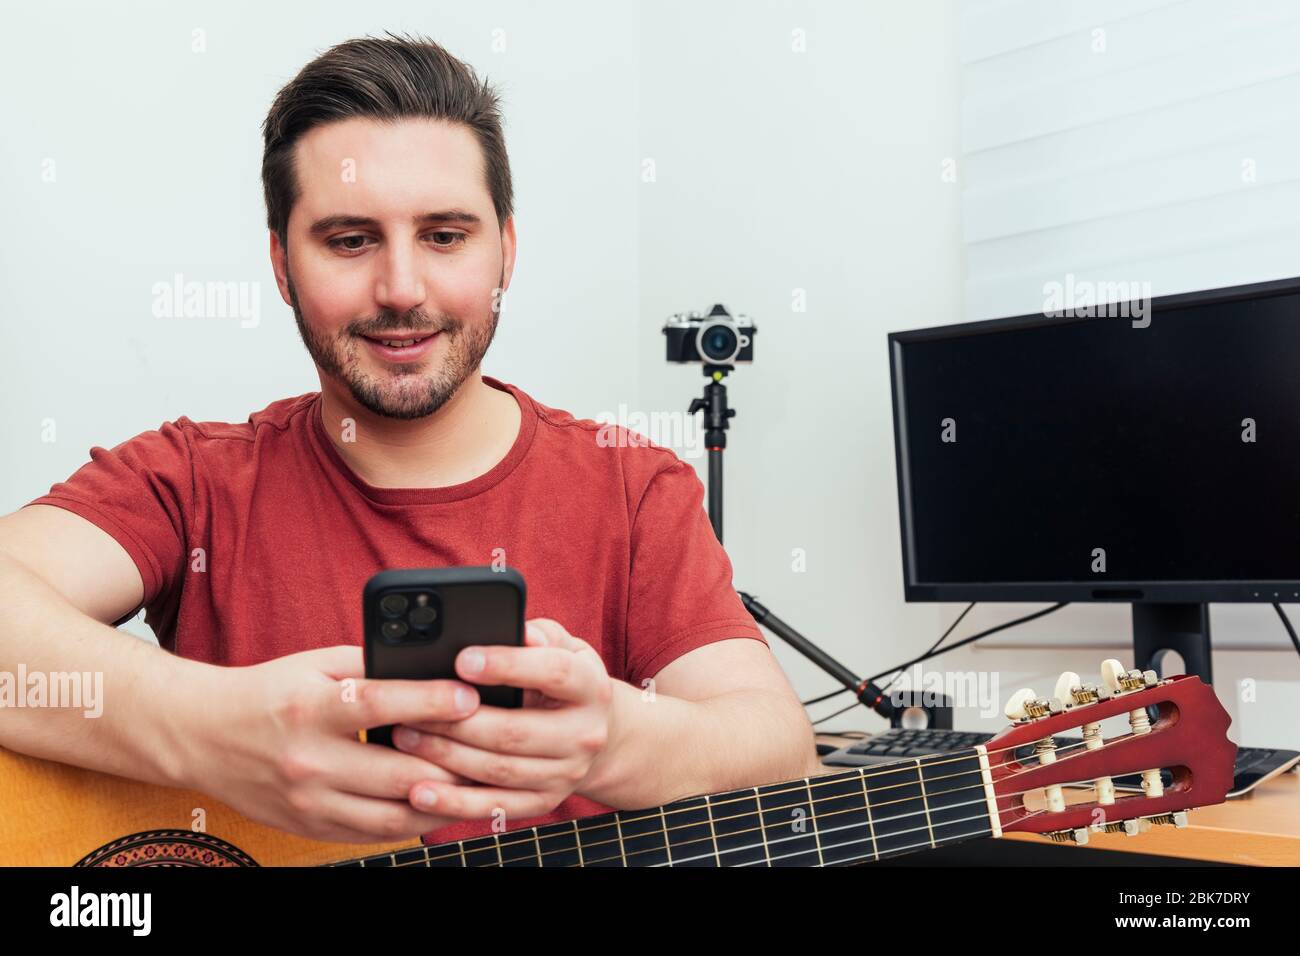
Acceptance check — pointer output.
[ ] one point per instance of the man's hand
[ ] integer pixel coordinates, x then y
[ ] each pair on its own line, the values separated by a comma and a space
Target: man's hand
285, 751
523, 760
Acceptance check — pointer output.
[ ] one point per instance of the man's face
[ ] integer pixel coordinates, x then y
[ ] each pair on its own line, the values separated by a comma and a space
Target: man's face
394, 237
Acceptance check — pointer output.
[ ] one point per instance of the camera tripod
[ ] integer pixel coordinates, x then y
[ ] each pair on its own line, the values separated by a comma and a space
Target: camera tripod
717, 416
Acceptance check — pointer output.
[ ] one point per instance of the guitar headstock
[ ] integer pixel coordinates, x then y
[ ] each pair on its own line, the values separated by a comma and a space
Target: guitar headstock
1175, 725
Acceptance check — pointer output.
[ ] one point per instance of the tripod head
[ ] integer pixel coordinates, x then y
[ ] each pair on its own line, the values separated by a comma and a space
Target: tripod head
716, 413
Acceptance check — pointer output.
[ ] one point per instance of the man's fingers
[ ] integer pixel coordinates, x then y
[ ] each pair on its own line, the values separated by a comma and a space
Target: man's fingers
367, 703
524, 731
338, 662
376, 820
486, 766
553, 634
477, 803
373, 770
556, 672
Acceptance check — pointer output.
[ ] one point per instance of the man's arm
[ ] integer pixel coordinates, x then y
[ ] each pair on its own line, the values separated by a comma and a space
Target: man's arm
718, 718
276, 741
62, 582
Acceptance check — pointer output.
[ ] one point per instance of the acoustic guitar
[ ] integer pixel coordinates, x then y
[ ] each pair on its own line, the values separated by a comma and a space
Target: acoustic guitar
1020, 781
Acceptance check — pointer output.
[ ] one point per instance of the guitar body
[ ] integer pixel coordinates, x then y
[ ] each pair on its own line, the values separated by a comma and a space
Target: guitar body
52, 814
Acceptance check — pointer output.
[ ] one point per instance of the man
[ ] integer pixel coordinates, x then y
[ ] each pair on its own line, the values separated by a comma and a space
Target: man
392, 238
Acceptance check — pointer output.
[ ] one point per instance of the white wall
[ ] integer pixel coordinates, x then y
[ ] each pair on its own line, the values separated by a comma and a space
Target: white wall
776, 169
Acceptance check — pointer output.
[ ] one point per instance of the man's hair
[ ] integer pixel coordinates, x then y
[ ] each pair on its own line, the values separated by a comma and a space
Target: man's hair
385, 79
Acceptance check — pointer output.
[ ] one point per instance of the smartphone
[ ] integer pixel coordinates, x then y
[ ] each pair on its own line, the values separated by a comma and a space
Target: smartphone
418, 620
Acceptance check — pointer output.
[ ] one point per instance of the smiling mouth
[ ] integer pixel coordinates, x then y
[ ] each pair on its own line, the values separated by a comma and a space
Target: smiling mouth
400, 341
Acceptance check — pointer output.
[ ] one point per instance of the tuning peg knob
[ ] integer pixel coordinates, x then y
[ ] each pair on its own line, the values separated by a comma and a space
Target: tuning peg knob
1112, 672
1066, 685
1016, 704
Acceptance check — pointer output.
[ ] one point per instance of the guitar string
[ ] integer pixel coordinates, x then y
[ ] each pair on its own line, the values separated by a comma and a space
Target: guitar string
835, 778
874, 839
536, 841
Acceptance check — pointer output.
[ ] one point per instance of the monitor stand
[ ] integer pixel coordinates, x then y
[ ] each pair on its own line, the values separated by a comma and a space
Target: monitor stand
1160, 628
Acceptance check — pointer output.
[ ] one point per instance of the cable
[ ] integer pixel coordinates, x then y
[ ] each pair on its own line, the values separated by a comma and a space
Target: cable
934, 647
842, 710
1286, 622
951, 647
974, 637
942, 638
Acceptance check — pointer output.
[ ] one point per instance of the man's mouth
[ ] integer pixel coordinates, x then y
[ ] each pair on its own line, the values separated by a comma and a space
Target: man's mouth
402, 346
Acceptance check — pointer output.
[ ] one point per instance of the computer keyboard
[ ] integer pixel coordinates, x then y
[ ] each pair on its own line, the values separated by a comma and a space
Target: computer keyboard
1254, 764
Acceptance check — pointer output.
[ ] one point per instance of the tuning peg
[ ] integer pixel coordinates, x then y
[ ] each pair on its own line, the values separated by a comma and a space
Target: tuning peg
1129, 827
1177, 819
1016, 708
1112, 671
1066, 685
1079, 836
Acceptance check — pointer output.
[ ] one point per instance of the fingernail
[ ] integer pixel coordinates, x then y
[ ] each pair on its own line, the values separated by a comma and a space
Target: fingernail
464, 699
405, 737
425, 798
471, 661
535, 634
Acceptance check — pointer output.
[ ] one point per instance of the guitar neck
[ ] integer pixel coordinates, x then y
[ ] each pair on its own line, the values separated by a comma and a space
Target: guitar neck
854, 816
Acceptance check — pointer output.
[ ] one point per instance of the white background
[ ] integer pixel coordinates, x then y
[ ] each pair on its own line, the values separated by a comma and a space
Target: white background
775, 171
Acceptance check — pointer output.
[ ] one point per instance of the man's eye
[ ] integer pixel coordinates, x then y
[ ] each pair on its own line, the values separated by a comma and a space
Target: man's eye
343, 242
454, 238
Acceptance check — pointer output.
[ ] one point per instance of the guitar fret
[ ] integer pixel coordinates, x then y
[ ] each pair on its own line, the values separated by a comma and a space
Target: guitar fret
481, 851
738, 828
812, 802
871, 827
954, 789
557, 844
843, 821
690, 836
644, 838
784, 810
920, 778
897, 808
519, 848
826, 820
600, 841
713, 834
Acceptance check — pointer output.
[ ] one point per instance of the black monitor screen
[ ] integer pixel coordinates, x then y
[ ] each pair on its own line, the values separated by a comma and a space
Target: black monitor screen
1092, 459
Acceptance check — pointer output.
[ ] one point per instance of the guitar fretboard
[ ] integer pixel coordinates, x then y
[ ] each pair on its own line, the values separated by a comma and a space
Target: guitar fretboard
855, 816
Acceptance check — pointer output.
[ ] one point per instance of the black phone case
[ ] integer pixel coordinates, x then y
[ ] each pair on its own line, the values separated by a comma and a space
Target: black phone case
479, 605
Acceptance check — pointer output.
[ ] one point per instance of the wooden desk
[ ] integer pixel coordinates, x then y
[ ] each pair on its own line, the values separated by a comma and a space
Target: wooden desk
1261, 828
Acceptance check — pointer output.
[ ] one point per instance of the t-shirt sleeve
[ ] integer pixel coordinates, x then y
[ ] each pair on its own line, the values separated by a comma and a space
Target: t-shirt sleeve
140, 492
681, 594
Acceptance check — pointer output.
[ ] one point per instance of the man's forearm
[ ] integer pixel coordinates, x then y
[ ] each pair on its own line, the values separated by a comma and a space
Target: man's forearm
661, 748
140, 687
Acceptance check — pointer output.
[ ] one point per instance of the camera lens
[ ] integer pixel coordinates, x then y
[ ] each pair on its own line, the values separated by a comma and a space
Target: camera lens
422, 617
394, 630
393, 604
718, 343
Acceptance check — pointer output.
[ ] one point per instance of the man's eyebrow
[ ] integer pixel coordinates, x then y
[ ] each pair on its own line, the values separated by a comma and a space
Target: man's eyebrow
343, 221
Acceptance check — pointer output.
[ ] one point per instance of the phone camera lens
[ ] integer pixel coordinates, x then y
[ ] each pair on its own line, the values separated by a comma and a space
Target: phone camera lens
394, 604
394, 630
422, 617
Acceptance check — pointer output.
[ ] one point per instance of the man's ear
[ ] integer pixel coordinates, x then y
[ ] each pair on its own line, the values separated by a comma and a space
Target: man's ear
280, 265
507, 252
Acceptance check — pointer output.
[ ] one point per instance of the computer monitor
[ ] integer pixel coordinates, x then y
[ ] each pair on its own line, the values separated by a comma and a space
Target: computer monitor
1106, 457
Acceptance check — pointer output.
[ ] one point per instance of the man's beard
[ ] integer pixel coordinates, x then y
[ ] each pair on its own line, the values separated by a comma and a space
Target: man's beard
403, 393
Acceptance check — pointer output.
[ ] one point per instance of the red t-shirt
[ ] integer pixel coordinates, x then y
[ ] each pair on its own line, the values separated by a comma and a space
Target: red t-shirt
610, 536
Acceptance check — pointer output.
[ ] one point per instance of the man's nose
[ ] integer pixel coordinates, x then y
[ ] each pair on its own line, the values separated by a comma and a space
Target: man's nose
400, 286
